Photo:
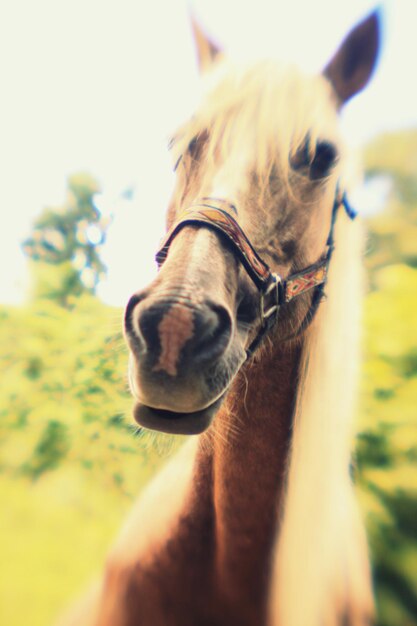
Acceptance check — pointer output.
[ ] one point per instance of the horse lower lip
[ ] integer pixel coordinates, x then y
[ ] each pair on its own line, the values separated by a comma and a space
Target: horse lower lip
175, 423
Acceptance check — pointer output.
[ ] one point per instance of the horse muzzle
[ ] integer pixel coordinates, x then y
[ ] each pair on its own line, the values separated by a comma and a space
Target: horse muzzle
177, 350
184, 350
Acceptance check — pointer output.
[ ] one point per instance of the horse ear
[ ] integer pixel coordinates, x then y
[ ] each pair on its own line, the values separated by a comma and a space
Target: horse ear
207, 51
352, 66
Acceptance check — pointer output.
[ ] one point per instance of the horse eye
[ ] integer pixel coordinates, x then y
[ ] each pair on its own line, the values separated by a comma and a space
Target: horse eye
324, 159
196, 145
193, 146
319, 164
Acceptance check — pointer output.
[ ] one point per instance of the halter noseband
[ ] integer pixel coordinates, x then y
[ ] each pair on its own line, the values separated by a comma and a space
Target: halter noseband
274, 291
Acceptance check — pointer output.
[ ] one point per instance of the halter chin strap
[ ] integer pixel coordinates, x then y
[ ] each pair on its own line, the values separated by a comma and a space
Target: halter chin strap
274, 291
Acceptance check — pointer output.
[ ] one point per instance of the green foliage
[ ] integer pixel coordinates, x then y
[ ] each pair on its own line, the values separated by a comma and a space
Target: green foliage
52, 446
393, 153
387, 445
65, 244
69, 454
64, 394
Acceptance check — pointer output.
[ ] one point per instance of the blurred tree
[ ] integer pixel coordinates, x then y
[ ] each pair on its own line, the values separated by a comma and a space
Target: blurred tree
387, 446
65, 244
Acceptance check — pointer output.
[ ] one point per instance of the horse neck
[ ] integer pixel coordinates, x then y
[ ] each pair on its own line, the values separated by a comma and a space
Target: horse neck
250, 442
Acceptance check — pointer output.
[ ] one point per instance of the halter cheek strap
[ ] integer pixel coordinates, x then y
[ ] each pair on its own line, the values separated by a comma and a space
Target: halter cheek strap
274, 291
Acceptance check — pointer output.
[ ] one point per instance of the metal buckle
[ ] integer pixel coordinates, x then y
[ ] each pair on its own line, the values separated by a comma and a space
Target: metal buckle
273, 308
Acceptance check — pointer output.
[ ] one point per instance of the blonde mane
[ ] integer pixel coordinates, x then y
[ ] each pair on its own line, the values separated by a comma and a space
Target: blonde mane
321, 557
253, 100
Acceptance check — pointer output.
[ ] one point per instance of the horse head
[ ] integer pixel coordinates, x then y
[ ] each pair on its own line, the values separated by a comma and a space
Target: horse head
259, 178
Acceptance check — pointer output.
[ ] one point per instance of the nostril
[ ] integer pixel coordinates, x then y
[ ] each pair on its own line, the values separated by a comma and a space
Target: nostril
149, 325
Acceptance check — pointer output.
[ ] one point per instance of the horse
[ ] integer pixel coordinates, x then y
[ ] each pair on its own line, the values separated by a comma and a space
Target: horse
247, 340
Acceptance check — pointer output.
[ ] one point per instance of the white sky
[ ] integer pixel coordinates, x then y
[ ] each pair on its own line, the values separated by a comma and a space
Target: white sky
98, 85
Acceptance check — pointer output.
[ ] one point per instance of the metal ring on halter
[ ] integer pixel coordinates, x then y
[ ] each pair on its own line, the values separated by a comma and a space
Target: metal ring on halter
273, 309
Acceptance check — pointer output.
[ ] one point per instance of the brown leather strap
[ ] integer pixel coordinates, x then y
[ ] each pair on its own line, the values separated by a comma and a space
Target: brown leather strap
216, 218
308, 278
221, 221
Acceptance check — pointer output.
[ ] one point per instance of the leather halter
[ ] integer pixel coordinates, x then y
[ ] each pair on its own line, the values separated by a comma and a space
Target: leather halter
274, 291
